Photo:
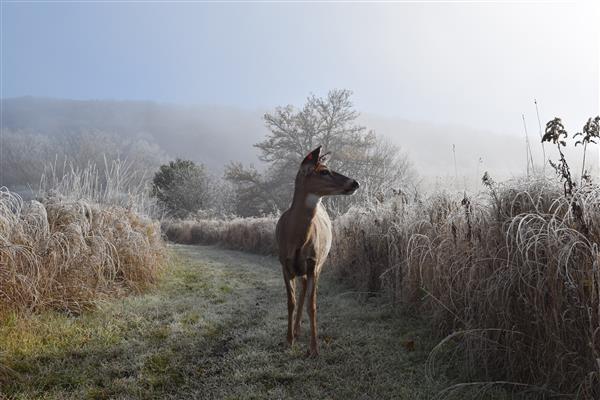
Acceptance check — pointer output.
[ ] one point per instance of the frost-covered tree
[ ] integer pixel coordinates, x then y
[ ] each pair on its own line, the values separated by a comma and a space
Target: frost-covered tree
181, 187
331, 122
26, 156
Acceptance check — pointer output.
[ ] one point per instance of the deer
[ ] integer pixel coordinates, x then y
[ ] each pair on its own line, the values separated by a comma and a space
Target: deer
303, 235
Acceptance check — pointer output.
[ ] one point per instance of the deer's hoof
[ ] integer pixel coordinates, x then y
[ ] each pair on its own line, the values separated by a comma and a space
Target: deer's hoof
312, 352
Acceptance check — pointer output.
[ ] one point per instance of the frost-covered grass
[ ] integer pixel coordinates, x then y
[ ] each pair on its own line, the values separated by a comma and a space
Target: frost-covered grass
214, 328
511, 277
66, 254
86, 238
254, 235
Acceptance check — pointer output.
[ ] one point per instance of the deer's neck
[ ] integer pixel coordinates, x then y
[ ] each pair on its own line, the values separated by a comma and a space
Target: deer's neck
305, 202
304, 209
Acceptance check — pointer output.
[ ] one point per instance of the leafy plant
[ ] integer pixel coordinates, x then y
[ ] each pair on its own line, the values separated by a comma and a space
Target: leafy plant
556, 133
591, 133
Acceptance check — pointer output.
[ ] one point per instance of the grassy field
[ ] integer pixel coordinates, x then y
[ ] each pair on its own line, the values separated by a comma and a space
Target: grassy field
215, 329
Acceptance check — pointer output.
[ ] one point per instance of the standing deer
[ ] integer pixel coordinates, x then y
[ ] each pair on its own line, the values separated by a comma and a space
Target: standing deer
303, 236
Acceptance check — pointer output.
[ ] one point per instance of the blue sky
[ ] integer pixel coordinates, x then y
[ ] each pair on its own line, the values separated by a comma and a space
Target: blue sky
478, 65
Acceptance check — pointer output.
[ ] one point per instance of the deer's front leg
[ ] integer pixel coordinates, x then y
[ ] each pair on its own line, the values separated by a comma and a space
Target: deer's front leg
311, 307
291, 301
299, 309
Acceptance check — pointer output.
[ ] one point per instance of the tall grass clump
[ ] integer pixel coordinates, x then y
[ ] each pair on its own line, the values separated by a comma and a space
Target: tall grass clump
116, 183
82, 240
254, 235
511, 277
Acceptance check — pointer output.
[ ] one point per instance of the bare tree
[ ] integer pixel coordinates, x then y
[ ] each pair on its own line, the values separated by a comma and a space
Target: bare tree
256, 193
329, 121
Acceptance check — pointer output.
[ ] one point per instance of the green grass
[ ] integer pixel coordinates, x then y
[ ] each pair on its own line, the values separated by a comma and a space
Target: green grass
215, 329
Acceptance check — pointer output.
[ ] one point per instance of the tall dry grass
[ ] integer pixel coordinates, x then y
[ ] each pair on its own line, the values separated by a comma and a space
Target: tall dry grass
84, 239
255, 235
116, 183
511, 276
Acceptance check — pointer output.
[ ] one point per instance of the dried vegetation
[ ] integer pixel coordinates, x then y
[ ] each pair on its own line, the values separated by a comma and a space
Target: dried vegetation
511, 276
77, 244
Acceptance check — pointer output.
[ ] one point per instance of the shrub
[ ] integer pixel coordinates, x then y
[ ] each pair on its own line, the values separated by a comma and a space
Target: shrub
181, 187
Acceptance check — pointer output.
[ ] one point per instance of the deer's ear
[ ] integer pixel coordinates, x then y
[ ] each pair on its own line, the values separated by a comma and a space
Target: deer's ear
313, 157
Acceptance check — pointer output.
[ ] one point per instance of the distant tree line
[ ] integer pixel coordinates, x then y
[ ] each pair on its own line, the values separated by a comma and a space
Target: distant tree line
25, 156
184, 188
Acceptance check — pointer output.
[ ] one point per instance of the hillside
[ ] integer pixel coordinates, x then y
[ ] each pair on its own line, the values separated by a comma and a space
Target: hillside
211, 135
216, 135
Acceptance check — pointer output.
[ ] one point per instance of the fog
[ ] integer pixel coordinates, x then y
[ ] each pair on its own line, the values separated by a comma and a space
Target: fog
197, 78
387, 156
217, 135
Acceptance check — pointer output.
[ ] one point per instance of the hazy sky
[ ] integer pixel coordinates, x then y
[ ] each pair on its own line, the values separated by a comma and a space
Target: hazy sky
474, 64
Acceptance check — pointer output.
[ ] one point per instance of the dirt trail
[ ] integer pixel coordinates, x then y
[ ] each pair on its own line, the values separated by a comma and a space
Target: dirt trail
215, 329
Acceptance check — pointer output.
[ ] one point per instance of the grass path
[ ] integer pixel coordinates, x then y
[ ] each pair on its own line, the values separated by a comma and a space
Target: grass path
215, 329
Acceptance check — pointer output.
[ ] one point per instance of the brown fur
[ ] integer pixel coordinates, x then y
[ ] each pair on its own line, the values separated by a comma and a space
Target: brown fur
303, 237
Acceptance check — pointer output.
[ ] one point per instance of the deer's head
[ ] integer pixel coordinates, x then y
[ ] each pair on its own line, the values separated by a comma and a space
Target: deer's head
314, 177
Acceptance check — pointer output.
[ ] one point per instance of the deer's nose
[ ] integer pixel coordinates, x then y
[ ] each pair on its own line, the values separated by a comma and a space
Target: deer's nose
355, 185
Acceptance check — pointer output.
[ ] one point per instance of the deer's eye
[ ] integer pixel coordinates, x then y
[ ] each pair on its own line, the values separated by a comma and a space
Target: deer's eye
324, 172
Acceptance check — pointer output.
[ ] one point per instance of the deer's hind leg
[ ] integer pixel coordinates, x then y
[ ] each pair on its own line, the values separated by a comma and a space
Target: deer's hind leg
290, 288
311, 308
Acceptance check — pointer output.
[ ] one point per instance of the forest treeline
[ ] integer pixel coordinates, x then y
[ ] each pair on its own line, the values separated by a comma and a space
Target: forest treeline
183, 187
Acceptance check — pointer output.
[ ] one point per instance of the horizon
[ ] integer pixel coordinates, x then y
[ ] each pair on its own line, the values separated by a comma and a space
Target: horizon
433, 71
212, 135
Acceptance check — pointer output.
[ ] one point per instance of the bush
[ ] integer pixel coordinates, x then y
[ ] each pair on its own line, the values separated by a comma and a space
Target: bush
181, 187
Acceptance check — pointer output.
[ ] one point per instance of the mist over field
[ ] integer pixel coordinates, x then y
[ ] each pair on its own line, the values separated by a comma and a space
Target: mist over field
212, 135
300, 200
426, 77
217, 135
